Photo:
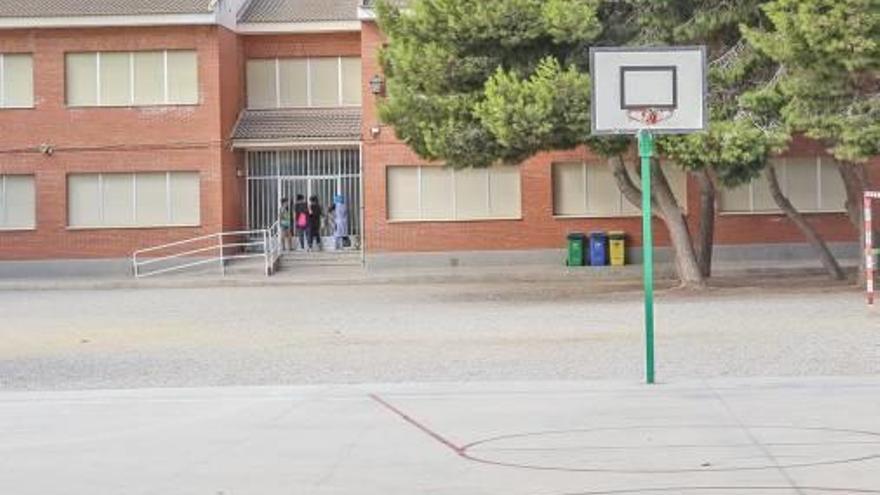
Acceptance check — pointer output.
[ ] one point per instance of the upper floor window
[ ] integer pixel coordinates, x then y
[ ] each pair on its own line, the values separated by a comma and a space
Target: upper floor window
16, 80
122, 79
304, 82
811, 184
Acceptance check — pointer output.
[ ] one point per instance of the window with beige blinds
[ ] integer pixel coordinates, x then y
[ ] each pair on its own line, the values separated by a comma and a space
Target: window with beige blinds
590, 190
293, 80
262, 88
471, 199
446, 194
303, 82
324, 81
168, 77
16, 80
351, 81
118, 207
402, 184
114, 79
144, 199
17, 202
183, 77
505, 196
151, 199
149, 78
812, 184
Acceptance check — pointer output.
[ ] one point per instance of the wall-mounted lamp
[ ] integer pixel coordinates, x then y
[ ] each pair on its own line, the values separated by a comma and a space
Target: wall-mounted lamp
377, 85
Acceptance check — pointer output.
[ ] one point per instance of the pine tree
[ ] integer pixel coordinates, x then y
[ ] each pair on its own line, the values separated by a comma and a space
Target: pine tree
475, 83
828, 82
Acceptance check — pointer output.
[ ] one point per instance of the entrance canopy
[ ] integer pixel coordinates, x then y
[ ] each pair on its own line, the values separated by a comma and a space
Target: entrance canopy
297, 127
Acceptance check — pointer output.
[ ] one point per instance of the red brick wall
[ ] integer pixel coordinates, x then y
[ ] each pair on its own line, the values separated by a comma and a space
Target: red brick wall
108, 139
196, 138
303, 45
232, 97
538, 228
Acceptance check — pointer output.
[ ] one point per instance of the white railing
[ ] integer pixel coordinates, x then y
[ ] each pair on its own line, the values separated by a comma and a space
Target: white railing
217, 248
273, 247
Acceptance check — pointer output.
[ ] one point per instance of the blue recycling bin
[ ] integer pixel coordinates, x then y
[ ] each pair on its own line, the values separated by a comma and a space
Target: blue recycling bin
598, 248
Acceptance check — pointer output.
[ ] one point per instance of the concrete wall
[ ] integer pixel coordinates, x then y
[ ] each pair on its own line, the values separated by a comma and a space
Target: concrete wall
782, 255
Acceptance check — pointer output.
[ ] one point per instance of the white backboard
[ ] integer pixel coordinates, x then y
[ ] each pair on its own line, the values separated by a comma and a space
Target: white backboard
627, 81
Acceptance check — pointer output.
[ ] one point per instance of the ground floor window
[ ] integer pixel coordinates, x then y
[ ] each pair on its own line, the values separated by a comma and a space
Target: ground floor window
812, 184
17, 202
590, 190
443, 193
144, 199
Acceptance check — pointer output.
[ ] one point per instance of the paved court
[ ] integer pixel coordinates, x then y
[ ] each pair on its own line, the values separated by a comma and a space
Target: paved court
757, 436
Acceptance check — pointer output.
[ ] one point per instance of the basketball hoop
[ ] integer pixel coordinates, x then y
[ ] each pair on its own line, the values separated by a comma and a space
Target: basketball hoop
657, 89
649, 116
647, 92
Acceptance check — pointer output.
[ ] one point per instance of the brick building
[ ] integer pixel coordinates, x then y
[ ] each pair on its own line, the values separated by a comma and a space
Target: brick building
133, 123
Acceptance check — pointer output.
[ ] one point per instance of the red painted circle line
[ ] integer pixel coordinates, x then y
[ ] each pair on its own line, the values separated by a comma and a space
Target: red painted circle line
463, 451
466, 450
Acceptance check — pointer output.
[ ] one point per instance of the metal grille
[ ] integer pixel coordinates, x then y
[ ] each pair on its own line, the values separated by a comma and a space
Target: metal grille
277, 174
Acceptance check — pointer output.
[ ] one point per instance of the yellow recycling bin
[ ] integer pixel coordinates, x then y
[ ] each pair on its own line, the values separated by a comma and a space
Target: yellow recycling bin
617, 248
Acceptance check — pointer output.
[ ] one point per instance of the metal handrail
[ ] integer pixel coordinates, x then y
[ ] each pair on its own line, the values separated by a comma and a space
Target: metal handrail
274, 247
266, 239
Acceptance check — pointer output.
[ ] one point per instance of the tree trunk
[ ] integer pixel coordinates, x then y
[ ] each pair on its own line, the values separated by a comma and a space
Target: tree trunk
689, 272
627, 187
855, 181
666, 207
825, 256
706, 235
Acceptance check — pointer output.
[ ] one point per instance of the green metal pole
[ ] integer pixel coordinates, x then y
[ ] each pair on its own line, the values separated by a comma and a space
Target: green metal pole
646, 151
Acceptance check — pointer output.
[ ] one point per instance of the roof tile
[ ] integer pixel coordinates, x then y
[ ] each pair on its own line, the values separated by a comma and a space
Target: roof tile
76, 8
309, 124
300, 11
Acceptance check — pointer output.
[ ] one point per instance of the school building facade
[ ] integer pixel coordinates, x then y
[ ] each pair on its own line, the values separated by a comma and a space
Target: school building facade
139, 122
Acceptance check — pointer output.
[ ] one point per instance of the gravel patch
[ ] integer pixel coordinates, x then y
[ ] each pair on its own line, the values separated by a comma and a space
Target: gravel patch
449, 332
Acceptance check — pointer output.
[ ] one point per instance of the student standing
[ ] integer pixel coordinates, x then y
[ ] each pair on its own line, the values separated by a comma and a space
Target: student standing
285, 222
340, 221
316, 214
301, 216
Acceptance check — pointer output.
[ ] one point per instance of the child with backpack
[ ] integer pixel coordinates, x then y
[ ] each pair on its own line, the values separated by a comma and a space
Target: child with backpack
301, 217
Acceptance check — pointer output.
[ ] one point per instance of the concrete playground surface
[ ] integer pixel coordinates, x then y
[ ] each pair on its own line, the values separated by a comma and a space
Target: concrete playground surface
721, 437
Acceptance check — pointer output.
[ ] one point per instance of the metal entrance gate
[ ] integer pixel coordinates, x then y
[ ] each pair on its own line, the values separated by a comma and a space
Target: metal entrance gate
276, 174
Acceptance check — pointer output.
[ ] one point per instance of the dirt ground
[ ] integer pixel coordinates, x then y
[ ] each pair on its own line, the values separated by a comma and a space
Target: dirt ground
565, 330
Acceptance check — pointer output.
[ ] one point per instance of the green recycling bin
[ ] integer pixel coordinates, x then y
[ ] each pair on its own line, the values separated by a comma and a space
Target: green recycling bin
576, 247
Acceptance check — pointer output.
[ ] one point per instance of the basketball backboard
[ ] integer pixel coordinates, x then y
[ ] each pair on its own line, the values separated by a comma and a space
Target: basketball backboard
660, 89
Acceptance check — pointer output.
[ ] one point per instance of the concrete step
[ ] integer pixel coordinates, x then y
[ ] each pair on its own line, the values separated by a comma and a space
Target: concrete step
320, 258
